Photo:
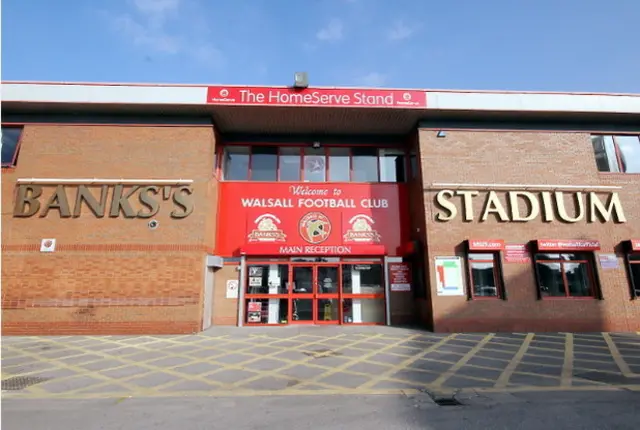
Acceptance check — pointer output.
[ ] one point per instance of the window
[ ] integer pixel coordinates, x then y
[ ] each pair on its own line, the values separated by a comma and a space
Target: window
10, 145
618, 154
484, 272
365, 164
339, 164
289, 164
315, 165
264, 163
236, 163
565, 275
634, 272
392, 165
270, 163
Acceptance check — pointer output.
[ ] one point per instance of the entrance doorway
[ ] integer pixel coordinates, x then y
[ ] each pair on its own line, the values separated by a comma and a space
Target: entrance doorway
337, 292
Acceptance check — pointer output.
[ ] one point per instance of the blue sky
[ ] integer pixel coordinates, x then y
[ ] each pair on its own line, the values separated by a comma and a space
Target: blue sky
555, 45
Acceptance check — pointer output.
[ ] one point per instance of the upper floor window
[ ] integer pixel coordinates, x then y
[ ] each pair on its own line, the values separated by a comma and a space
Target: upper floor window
619, 153
10, 145
307, 164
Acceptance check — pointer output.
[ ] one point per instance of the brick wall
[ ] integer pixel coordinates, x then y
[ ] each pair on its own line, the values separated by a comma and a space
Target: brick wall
108, 275
225, 311
485, 157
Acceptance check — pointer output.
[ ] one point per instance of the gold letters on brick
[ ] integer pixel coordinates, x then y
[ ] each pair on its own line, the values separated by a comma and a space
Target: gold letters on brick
113, 200
550, 206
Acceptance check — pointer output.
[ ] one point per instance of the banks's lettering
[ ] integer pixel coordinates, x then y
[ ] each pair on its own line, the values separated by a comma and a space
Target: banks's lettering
550, 206
124, 201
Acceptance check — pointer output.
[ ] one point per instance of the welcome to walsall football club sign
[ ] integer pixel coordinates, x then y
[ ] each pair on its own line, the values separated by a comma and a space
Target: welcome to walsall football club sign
318, 97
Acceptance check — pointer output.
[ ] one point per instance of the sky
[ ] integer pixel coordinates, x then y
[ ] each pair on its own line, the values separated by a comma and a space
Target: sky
522, 45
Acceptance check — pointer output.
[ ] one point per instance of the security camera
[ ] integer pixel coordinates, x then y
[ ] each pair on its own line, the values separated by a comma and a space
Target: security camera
153, 224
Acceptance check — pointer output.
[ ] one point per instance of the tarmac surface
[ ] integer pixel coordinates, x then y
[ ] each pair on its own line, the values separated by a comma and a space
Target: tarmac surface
299, 361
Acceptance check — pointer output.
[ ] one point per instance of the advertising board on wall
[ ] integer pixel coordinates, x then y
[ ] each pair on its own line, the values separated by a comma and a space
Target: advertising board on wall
311, 219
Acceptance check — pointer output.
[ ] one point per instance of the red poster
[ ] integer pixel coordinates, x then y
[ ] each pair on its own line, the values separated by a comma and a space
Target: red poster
516, 253
311, 219
328, 97
400, 276
486, 245
568, 245
635, 245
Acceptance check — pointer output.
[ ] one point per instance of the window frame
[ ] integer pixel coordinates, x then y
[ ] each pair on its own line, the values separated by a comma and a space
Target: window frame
220, 173
634, 284
498, 276
616, 148
16, 152
594, 286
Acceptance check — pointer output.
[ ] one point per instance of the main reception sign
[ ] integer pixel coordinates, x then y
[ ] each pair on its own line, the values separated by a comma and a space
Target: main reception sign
318, 97
345, 219
522, 206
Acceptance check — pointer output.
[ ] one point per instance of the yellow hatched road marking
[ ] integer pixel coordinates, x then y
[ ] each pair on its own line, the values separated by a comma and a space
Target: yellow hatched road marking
566, 379
468, 356
615, 354
504, 377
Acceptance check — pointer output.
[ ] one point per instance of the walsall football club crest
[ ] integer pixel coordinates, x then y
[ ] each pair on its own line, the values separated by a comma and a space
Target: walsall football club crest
361, 230
315, 227
267, 230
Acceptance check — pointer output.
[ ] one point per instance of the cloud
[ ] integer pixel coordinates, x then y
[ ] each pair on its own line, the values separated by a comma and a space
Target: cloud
145, 25
332, 32
400, 31
373, 79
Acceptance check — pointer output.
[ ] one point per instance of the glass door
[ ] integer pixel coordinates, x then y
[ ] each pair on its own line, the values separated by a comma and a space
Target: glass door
302, 294
327, 300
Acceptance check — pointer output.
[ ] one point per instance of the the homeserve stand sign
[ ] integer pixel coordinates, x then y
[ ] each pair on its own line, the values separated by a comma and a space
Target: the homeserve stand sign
449, 281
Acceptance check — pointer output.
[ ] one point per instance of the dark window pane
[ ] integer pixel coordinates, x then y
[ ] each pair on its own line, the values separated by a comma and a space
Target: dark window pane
236, 163
327, 280
264, 163
315, 165
365, 164
362, 279
550, 279
483, 275
392, 166
605, 153
634, 268
267, 278
413, 164
629, 149
577, 279
339, 164
290, 164
10, 139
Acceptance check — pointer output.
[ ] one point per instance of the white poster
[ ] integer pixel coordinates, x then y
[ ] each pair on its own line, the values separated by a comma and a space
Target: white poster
232, 289
255, 282
449, 279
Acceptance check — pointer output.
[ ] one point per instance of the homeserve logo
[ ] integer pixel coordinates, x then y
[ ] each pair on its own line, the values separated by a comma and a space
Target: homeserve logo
223, 96
407, 100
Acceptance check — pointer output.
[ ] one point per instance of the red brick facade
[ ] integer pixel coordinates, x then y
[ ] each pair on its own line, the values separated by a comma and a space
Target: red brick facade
108, 275
486, 157
116, 275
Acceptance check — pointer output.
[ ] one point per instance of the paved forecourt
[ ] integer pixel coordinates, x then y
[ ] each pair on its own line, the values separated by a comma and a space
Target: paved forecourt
315, 360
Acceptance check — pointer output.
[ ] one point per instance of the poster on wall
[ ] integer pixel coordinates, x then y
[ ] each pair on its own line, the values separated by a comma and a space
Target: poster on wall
449, 279
517, 253
608, 261
232, 289
255, 282
400, 277
254, 312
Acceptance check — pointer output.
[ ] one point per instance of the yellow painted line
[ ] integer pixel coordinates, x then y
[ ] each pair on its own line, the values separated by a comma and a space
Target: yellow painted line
615, 354
468, 356
566, 377
504, 377
404, 364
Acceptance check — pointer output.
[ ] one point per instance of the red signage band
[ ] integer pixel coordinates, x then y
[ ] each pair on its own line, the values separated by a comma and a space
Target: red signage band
568, 245
635, 244
400, 277
282, 249
486, 245
306, 219
318, 97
